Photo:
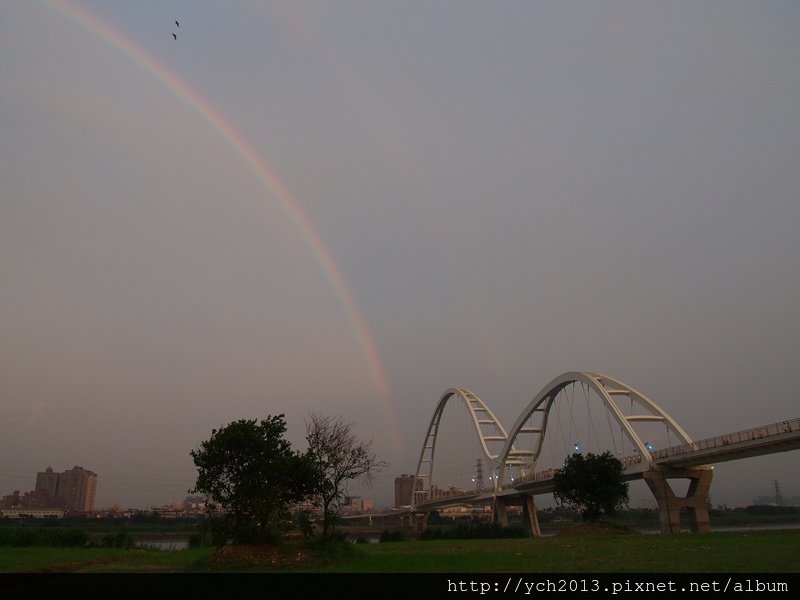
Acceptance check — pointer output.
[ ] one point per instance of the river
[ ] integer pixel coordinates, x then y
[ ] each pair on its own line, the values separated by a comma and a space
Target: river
171, 544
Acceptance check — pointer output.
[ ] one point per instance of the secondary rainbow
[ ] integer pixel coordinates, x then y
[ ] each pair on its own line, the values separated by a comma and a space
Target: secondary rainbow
262, 169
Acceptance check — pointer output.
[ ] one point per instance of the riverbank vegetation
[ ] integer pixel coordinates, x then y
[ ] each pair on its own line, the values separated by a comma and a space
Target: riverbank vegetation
80, 544
731, 552
79, 531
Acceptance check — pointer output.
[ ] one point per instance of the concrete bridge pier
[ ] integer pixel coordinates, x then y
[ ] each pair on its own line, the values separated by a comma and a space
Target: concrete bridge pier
529, 518
669, 505
414, 521
499, 514
420, 522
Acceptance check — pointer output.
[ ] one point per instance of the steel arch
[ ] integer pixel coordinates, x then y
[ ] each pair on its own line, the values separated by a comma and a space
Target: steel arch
605, 387
482, 419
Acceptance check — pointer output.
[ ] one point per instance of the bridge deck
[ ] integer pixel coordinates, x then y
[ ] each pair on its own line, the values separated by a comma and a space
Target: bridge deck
768, 439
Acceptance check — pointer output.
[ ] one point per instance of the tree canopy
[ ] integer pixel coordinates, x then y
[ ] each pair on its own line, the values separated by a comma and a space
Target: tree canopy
249, 470
592, 484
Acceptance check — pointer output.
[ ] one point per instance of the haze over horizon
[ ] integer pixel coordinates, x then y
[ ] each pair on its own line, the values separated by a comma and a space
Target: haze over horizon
349, 207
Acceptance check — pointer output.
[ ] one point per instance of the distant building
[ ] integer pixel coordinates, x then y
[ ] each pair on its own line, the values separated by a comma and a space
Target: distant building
78, 487
404, 489
776, 501
73, 490
35, 499
358, 505
47, 482
11, 501
455, 512
354, 506
307, 506
36, 513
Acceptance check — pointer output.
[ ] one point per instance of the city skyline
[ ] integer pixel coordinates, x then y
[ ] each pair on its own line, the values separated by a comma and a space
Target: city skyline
70, 491
402, 492
346, 209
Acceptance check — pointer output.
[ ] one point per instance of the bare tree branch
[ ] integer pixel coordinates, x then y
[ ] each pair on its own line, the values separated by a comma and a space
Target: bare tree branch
340, 458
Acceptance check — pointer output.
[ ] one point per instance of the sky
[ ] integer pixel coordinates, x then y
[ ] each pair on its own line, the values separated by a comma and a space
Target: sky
348, 207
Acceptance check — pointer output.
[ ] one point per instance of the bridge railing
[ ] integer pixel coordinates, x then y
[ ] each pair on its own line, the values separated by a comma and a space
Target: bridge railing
542, 475
551, 473
423, 497
756, 433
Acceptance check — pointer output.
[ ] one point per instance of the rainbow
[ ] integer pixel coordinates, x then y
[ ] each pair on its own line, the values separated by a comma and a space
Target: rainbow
260, 167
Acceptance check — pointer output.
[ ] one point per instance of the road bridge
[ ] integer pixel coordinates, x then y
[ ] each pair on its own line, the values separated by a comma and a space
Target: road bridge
514, 459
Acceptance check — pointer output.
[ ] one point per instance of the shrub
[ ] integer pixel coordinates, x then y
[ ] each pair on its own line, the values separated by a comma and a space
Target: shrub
392, 536
123, 539
72, 538
470, 531
43, 537
199, 539
17, 538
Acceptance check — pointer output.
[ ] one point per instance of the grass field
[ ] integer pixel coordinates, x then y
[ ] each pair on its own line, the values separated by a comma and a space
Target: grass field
720, 552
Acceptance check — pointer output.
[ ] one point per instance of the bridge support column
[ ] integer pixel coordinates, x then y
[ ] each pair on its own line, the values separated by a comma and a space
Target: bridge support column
420, 521
669, 505
529, 518
499, 514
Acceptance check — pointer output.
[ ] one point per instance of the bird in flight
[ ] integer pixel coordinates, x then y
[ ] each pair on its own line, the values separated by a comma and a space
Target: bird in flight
175, 35
178, 24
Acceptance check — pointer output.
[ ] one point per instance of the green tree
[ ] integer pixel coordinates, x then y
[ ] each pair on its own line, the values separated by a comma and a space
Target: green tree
592, 484
250, 471
339, 457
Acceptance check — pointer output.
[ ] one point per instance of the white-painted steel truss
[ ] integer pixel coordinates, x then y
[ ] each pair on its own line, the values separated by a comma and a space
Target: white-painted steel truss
501, 448
491, 434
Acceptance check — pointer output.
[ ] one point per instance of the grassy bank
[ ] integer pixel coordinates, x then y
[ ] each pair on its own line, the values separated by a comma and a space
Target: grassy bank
713, 552
37, 559
731, 552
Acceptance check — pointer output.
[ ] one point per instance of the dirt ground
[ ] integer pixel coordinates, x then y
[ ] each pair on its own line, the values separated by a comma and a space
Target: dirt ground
292, 555
262, 555
594, 529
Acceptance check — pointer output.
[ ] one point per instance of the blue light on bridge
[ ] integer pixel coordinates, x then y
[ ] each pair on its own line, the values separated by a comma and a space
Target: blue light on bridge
577, 448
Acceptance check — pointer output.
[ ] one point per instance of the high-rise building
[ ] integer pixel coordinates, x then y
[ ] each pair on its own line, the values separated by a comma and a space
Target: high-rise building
78, 486
404, 489
47, 482
74, 489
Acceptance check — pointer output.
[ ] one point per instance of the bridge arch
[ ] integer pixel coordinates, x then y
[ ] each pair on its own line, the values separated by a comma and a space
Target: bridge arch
488, 429
534, 420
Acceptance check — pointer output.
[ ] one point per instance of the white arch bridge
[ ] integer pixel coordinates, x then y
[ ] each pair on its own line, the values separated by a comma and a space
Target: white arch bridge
578, 411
